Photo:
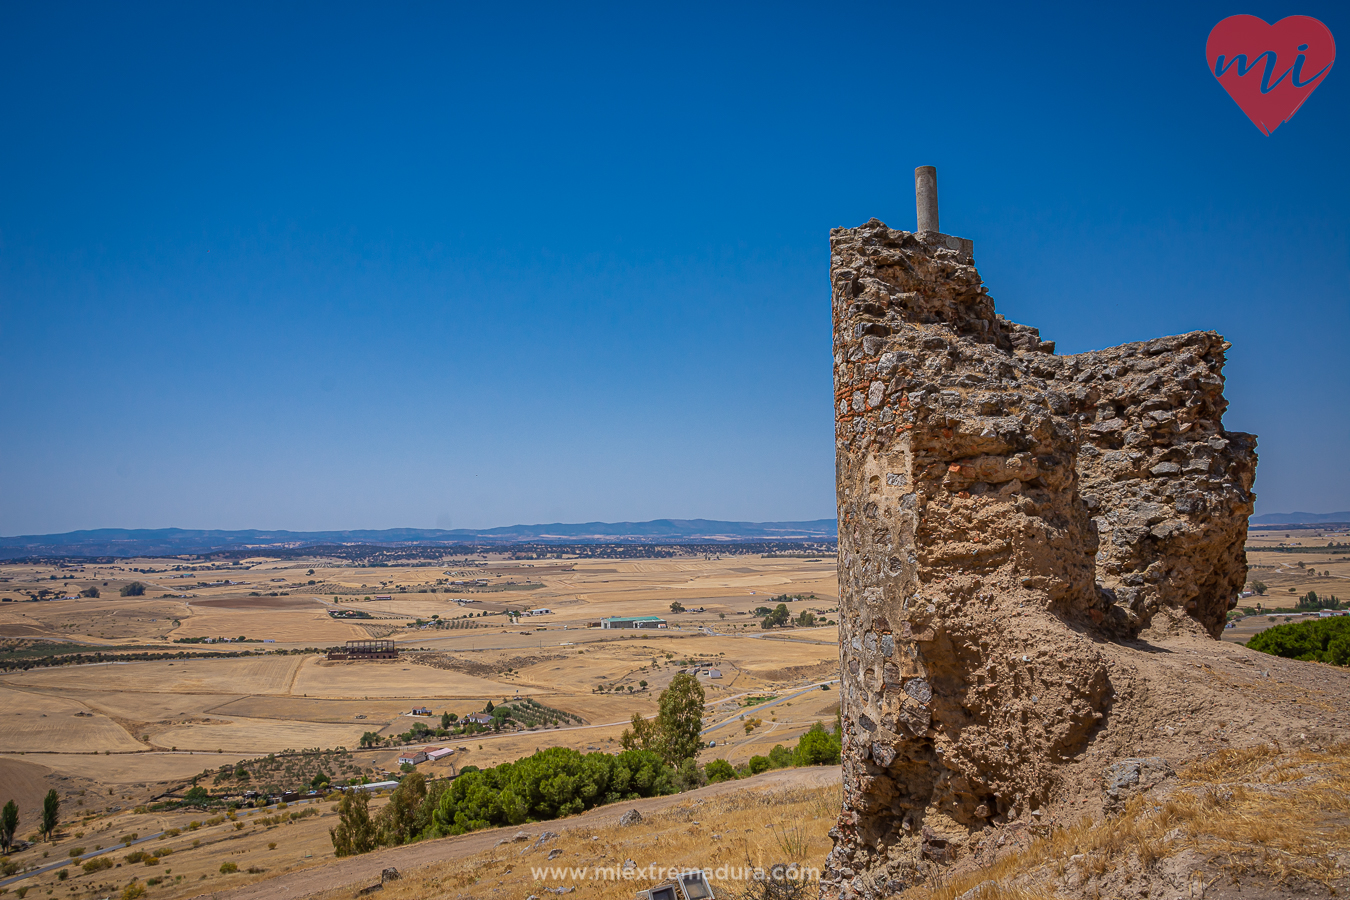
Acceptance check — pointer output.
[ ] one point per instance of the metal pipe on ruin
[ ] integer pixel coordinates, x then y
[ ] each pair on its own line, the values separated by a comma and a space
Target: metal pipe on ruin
926, 198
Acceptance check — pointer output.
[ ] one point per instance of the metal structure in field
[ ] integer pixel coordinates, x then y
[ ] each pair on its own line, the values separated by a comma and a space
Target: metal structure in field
372, 649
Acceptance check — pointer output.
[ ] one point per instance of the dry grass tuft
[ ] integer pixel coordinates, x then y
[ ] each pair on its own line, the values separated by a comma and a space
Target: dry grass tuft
1274, 813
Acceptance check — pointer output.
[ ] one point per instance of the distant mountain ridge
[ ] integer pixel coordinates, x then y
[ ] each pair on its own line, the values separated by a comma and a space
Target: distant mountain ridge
174, 541
1299, 518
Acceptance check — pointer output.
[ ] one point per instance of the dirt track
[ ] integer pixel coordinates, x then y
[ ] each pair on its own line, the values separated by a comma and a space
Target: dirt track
357, 871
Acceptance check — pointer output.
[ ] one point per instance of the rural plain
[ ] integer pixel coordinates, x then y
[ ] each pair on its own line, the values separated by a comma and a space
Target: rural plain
113, 737
245, 676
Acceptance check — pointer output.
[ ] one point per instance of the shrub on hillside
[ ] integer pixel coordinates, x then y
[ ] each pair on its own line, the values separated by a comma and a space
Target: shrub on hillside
552, 783
817, 748
1320, 640
227, 868
719, 770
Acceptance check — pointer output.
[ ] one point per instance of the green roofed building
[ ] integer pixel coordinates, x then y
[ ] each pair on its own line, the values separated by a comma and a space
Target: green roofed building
633, 622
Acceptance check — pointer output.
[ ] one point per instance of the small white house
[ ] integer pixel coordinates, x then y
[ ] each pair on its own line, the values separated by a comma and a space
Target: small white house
412, 757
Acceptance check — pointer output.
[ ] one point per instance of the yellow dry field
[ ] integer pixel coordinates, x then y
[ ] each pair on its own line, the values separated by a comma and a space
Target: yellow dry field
387, 679
41, 723
1294, 561
101, 621
246, 675
252, 737
309, 627
339, 712
133, 707
144, 773
228, 600
151, 724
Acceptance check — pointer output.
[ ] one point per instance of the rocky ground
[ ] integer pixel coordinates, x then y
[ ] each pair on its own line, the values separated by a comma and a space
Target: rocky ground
1220, 772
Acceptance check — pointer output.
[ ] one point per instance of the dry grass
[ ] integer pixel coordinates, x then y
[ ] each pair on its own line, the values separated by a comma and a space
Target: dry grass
751, 828
1273, 813
32, 722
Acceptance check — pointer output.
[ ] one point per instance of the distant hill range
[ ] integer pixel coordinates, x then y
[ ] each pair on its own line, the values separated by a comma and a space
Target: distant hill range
175, 541
1300, 518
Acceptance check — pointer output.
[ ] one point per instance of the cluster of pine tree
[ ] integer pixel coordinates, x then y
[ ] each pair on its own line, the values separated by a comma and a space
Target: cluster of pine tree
1318, 640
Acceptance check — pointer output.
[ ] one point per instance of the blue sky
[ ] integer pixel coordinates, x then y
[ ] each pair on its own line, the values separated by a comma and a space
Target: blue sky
331, 266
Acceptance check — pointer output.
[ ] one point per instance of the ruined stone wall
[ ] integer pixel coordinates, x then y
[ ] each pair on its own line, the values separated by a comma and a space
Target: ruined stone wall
1000, 508
1169, 489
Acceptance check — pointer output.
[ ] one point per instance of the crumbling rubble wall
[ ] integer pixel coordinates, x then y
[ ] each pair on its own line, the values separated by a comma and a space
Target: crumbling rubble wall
1000, 509
1169, 489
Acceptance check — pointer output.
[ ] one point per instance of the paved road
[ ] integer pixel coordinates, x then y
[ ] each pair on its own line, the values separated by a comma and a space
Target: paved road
737, 716
75, 861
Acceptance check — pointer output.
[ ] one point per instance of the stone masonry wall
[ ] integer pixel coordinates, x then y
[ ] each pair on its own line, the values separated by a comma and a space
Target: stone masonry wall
999, 506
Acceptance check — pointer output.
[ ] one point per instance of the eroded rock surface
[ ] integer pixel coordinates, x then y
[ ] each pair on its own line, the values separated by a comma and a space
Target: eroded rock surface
1002, 511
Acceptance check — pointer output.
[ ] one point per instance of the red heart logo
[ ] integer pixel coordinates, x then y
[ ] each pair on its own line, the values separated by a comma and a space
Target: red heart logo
1270, 69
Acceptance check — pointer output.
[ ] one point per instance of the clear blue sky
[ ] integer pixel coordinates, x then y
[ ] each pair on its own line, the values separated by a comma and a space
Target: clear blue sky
330, 266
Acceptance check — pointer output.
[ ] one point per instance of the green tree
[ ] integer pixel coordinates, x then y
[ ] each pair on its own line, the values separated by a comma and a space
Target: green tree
680, 719
1319, 640
719, 770
643, 735
196, 796
9, 823
551, 783
1260, 587
355, 832
779, 617
91, 591
397, 822
689, 776
817, 748
1309, 601
135, 589
370, 739
51, 813
489, 708
677, 607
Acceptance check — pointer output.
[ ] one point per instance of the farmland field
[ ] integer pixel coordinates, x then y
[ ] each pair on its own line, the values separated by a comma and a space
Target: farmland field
132, 729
